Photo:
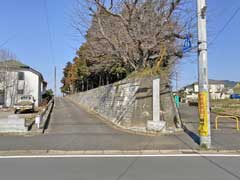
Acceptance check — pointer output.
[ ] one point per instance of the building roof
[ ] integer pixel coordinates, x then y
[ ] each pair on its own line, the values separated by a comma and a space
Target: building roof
210, 82
14, 64
226, 83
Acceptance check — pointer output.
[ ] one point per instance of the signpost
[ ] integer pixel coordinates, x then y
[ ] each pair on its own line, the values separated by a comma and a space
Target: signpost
187, 44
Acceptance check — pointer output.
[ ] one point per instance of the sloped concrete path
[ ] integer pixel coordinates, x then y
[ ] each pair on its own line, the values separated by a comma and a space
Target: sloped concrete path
71, 128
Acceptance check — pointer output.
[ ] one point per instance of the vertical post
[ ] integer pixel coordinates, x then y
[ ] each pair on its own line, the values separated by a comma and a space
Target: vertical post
55, 81
203, 97
156, 100
156, 124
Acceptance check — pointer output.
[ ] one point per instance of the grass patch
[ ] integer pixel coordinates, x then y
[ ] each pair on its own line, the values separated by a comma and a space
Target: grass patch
147, 72
228, 106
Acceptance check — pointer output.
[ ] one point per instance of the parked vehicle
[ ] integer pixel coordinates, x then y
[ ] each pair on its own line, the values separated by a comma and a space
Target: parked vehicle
235, 96
25, 103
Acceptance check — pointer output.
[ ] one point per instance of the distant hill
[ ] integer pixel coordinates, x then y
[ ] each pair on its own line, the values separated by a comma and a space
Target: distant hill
227, 83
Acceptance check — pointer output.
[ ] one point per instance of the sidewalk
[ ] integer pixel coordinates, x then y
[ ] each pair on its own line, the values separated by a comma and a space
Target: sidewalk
225, 138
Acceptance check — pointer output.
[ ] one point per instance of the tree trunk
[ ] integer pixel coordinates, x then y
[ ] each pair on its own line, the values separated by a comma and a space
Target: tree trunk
100, 80
107, 79
92, 86
82, 85
103, 83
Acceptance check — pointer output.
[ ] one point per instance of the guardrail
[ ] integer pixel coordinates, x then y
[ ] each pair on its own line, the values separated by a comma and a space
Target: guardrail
226, 116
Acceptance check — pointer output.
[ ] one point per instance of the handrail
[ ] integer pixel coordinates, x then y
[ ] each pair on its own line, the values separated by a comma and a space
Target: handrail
220, 116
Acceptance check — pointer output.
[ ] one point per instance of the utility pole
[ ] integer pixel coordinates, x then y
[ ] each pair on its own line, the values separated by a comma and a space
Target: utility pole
203, 96
55, 81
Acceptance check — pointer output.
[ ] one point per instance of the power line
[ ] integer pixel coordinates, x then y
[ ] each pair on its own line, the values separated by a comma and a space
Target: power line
51, 45
221, 30
49, 33
5, 42
225, 26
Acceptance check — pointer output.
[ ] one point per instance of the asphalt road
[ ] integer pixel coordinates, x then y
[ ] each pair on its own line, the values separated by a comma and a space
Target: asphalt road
121, 168
226, 137
72, 128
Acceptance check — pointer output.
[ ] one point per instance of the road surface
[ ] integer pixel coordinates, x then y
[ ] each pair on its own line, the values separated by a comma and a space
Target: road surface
121, 168
226, 137
72, 128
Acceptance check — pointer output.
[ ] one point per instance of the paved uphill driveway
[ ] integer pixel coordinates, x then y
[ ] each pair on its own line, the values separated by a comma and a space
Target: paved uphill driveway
71, 128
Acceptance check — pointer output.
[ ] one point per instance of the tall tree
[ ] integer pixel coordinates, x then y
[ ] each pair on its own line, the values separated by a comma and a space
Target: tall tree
138, 34
65, 81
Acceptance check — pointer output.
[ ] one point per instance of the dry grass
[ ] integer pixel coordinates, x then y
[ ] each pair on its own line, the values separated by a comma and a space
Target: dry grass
228, 106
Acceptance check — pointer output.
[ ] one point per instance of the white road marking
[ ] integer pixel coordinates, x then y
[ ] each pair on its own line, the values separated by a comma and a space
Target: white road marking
117, 156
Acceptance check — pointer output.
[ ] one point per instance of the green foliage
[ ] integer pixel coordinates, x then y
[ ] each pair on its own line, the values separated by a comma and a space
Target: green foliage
236, 89
49, 93
118, 70
47, 96
84, 73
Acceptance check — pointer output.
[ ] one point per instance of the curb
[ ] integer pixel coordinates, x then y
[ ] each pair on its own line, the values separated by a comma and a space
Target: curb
45, 119
115, 152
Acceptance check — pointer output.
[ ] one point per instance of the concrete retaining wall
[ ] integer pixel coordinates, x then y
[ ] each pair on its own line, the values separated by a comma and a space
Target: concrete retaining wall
13, 124
127, 103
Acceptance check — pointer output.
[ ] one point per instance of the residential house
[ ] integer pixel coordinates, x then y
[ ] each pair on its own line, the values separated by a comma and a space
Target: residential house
18, 79
217, 90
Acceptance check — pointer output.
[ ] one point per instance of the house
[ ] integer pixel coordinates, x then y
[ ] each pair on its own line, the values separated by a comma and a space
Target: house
18, 79
217, 90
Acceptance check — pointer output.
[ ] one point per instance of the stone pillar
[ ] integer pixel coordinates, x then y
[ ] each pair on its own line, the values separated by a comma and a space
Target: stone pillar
156, 100
156, 124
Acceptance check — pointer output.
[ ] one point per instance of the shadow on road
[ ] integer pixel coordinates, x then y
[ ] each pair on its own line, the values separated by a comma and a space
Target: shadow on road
193, 135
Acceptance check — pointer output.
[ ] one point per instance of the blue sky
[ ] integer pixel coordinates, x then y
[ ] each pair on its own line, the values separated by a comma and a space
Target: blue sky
25, 23
223, 54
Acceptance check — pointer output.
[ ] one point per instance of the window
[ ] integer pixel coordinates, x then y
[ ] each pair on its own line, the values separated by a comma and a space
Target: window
20, 91
20, 75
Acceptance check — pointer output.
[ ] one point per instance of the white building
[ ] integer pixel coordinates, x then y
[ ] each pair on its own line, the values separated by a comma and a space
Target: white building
217, 90
17, 79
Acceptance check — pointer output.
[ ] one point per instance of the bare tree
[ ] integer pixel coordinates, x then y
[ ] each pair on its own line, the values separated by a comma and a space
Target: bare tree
136, 30
6, 55
138, 33
8, 80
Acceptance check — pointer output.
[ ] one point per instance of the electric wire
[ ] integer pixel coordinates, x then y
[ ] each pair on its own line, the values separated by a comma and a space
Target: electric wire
225, 26
50, 42
49, 33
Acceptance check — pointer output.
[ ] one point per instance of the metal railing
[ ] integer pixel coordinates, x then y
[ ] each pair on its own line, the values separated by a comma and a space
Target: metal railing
232, 117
